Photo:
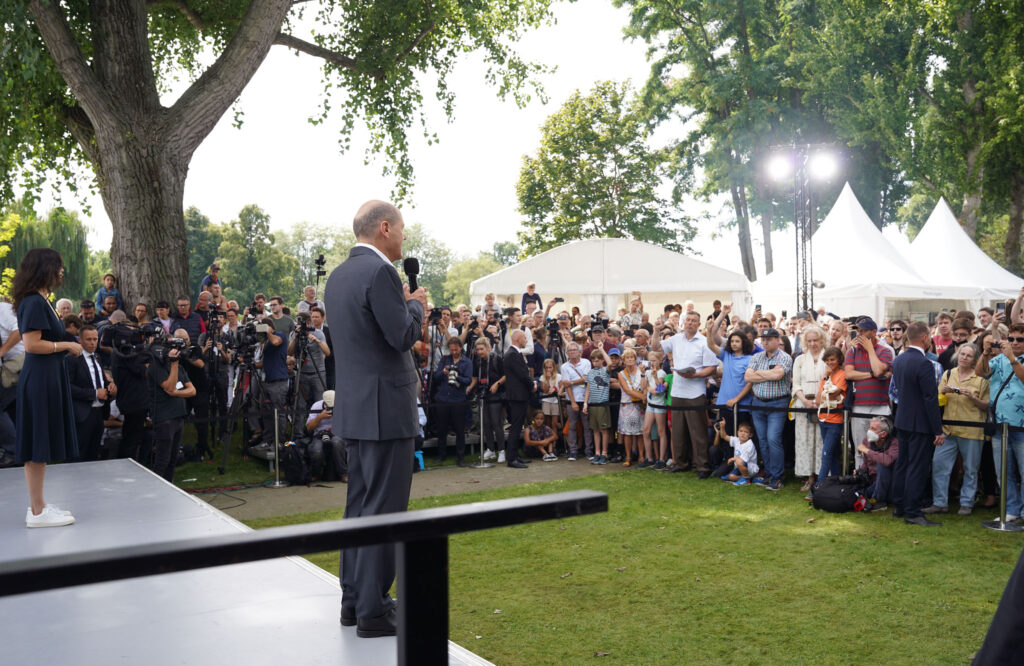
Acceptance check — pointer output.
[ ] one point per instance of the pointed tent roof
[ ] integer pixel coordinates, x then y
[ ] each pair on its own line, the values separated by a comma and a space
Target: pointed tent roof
943, 252
610, 266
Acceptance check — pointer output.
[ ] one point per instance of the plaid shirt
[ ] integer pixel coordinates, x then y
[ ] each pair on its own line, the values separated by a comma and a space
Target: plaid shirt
776, 389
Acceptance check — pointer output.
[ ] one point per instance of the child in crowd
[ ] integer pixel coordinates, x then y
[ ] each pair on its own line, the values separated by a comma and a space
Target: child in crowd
595, 405
109, 288
655, 417
743, 463
541, 437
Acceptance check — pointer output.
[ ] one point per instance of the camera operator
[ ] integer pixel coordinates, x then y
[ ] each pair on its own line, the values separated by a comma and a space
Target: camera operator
320, 426
198, 404
169, 389
274, 363
453, 375
318, 321
217, 356
133, 401
308, 347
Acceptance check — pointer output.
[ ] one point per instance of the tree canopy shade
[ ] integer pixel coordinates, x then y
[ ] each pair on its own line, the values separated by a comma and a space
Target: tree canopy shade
595, 176
81, 84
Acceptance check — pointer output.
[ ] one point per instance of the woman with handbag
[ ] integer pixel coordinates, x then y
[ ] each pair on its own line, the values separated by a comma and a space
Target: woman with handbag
631, 410
966, 396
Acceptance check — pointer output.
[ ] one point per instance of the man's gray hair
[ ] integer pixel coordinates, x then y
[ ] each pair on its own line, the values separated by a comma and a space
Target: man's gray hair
371, 215
569, 346
885, 424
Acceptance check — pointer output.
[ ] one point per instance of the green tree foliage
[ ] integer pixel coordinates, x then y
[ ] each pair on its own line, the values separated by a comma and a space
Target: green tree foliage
203, 240
81, 85
435, 259
61, 230
8, 228
250, 260
305, 242
505, 253
462, 273
595, 175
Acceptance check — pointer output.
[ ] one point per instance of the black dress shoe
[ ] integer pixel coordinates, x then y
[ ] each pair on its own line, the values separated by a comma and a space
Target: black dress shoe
922, 521
517, 464
704, 475
377, 626
348, 617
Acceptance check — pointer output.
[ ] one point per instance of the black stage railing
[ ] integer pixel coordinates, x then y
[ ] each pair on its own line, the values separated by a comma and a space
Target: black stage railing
421, 538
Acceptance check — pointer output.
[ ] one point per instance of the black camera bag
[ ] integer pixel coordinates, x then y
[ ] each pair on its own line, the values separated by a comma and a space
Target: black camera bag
838, 494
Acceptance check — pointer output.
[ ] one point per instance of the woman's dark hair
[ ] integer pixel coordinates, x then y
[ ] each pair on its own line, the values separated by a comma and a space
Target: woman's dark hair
745, 344
39, 269
787, 346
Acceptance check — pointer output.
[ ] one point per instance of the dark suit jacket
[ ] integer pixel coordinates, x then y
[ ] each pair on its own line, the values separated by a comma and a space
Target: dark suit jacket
82, 392
518, 384
373, 328
918, 394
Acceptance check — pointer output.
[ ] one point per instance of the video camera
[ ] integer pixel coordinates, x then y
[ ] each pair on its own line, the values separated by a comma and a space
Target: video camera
251, 334
149, 342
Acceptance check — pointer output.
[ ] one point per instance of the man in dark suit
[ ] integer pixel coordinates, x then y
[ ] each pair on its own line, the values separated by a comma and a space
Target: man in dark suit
919, 425
374, 320
518, 386
90, 393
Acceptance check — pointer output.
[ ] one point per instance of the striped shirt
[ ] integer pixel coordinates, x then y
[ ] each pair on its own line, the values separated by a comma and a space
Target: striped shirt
599, 384
870, 391
776, 388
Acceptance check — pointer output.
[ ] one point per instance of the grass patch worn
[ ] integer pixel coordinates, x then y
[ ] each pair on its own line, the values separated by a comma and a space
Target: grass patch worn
687, 571
240, 471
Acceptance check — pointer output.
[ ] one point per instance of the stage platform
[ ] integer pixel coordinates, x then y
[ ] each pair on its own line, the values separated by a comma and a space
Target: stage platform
282, 611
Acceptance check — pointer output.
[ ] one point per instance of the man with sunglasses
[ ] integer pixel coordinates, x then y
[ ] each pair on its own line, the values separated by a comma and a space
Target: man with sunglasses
898, 333
1006, 387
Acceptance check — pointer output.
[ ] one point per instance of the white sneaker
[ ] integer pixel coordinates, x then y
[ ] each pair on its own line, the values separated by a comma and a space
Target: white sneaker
54, 507
488, 454
572, 458
501, 457
549, 457
48, 518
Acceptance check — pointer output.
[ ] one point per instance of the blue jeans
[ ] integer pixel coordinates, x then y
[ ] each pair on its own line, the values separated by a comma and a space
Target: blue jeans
769, 431
1014, 459
831, 434
882, 487
942, 464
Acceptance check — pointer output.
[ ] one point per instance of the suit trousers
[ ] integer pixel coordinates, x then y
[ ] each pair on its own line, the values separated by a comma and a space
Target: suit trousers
912, 472
379, 480
516, 420
690, 434
90, 434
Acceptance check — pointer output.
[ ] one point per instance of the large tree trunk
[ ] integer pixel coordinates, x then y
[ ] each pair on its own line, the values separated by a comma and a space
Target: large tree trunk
972, 199
766, 231
739, 202
1011, 247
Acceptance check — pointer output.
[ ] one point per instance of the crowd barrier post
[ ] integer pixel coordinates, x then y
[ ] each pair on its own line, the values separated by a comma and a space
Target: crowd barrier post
735, 418
1000, 524
277, 455
482, 464
846, 441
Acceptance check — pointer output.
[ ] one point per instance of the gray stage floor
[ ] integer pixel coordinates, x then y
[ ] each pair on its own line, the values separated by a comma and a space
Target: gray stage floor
282, 611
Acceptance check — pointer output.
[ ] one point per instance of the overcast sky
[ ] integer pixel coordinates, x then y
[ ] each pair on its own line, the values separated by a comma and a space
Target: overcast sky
464, 191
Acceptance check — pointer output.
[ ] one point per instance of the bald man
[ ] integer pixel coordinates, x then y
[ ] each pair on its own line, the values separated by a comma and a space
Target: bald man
374, 321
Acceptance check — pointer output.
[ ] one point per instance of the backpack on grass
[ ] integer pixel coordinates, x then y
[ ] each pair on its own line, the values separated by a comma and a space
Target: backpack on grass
293, 464
840, 494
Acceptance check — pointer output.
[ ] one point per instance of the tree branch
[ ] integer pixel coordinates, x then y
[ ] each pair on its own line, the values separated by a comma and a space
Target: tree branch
309, 48
197, 111
187, 10
70, 62
78, 124
420, 37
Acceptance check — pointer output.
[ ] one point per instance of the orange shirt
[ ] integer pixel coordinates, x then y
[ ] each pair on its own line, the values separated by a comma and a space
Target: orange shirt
839, 380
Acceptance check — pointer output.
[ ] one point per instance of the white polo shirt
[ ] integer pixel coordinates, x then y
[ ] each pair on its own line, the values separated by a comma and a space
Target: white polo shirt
688, 353
572, 373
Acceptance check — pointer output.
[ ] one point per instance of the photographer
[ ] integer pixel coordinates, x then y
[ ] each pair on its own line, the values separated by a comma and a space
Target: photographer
198, 403
169, 390
274, 363
217, 356
309, 348
453, 375
320, 426
133, 399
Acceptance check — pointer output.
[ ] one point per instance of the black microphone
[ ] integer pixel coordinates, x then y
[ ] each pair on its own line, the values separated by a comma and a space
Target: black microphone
411, 267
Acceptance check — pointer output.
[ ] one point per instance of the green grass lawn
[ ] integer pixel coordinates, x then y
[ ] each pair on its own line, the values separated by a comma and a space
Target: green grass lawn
240, 470
681, 571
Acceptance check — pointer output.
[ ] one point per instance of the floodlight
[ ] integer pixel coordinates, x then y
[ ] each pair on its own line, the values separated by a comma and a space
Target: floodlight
780, 167
823, 166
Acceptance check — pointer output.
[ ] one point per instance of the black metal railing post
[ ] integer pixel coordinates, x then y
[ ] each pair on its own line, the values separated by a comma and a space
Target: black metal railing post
423, 601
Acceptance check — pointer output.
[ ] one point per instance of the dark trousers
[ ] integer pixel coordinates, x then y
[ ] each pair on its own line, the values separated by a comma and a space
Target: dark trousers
881, 489
131, 434
493, 431
90, 434
690, 434
516, 419
1004, 641
166, 440
379, 480
912, 473
453, 415
199, 406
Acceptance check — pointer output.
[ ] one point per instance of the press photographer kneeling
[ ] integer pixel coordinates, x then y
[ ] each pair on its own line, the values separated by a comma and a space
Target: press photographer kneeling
320, 427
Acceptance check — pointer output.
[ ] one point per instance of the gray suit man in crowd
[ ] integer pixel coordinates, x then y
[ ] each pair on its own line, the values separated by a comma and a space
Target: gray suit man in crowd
374, 321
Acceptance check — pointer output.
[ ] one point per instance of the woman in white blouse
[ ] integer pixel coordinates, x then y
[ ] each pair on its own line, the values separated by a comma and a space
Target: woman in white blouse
808, 369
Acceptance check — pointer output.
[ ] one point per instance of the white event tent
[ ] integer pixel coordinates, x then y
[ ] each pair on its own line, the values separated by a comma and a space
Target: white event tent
943, 252
863, 274
603, 273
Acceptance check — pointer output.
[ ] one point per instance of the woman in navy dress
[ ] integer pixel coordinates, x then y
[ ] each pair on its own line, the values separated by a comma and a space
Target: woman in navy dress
46, 419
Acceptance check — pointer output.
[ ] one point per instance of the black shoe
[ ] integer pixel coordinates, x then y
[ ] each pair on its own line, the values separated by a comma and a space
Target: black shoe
517, 464
525, 461
897, 513
704, 475
377, 627
348, 617
935, 509
462, 463
922, 521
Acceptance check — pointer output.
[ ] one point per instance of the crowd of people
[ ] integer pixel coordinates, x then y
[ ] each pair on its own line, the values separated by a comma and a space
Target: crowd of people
742, 400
